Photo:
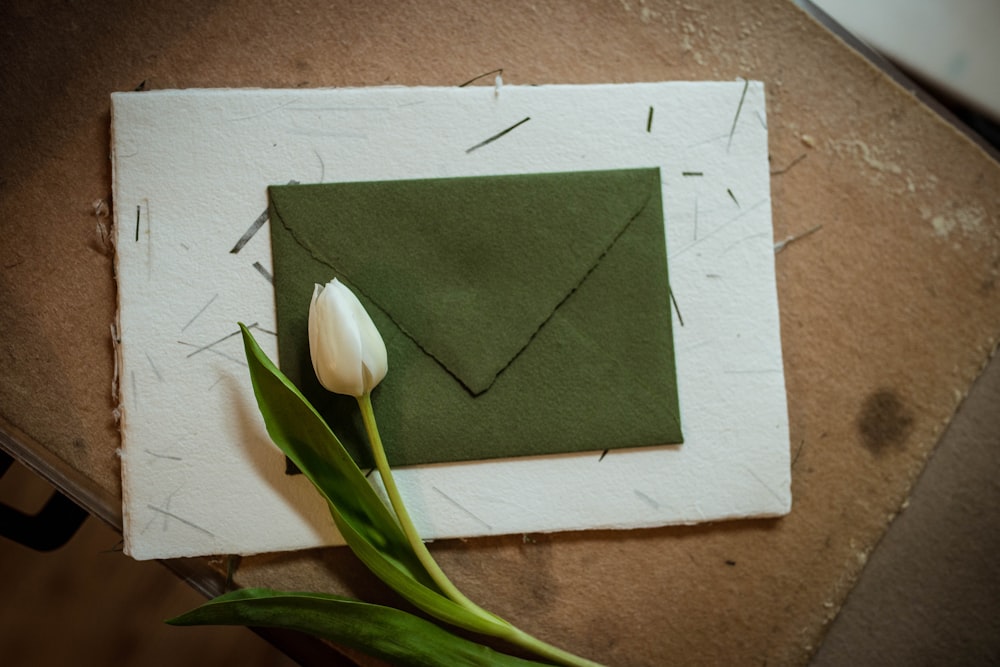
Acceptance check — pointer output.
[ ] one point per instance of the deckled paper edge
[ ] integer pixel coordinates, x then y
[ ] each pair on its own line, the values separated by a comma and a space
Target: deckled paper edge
782, 508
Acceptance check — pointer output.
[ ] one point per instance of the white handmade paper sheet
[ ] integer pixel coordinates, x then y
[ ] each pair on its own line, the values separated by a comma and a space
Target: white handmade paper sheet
191, 170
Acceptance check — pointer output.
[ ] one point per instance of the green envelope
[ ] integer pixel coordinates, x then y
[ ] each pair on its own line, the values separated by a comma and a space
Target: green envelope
523, 314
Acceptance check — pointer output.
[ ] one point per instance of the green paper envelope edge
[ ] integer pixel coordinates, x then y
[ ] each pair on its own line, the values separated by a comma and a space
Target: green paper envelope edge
523, 315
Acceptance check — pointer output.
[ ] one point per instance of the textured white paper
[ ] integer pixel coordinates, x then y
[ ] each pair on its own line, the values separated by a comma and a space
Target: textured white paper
190, 175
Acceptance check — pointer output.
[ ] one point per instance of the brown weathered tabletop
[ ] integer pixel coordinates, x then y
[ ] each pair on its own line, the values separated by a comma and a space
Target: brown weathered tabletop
889, 308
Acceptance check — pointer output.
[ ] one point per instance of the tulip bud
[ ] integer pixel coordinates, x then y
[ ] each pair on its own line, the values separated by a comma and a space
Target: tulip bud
347, 351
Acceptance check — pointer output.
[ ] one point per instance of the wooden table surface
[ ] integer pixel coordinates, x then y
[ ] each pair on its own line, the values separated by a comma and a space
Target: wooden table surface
889, 309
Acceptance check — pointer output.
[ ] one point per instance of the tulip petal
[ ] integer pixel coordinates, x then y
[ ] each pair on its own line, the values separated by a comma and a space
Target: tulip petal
347, 351
345, 338
334, 340
374, 359
314, 333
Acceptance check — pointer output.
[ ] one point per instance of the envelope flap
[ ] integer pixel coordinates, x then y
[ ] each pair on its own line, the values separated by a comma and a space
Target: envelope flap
469, 268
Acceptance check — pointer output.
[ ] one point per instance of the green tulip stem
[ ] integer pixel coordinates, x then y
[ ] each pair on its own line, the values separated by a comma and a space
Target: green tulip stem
405, 522
508, 631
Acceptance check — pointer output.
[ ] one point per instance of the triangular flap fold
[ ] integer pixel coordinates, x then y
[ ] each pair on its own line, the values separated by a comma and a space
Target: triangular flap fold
469, 268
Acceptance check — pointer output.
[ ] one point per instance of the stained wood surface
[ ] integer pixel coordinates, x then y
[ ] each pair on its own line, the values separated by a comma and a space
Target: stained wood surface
889, 309
88, 604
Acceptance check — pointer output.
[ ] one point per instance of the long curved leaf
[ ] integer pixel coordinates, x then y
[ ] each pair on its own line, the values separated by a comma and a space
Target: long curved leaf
302, 434
362, 518
383, 632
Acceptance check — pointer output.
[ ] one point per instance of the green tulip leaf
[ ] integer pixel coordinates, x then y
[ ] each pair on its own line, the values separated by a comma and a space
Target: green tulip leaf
364, 521
383, 632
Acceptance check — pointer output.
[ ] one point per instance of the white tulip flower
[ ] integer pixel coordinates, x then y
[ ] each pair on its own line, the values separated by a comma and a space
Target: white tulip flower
348, 353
